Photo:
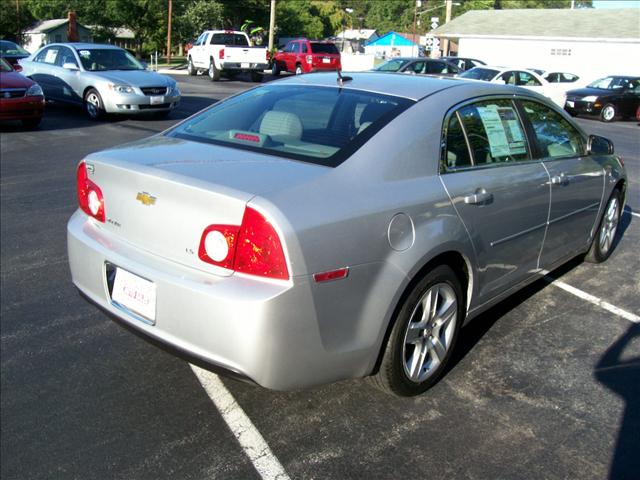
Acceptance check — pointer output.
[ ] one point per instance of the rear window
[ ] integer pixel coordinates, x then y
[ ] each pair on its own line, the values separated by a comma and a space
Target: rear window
324, 48
228, 39
322, 125
476, 73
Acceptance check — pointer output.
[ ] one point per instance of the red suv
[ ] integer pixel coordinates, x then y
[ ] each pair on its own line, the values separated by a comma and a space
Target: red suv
305, 56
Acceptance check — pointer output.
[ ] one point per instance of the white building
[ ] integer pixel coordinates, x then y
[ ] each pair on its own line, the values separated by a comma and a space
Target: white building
52, 31
588, 42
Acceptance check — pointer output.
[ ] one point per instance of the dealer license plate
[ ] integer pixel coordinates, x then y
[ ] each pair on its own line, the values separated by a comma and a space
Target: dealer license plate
244, 65
326, 60
570, 104
157, 100
135, 293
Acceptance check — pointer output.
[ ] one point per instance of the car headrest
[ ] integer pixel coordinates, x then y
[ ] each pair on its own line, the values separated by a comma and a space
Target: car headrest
281, 123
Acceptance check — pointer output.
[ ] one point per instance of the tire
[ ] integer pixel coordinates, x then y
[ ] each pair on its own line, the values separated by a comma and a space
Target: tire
418, 350
299, 70
608, 113
214, 73
93, 105
191, 70
256, 77
31, 123
602, 244
275, 69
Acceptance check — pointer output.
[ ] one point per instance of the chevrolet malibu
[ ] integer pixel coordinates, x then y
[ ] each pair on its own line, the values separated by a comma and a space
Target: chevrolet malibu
322, 228
102, 78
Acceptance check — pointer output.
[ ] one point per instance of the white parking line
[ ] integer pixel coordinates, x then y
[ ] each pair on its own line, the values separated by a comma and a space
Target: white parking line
628, 210
632, 317
253, 444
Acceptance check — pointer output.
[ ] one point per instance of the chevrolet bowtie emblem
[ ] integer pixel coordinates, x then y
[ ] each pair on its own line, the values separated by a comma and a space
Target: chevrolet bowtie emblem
145, 198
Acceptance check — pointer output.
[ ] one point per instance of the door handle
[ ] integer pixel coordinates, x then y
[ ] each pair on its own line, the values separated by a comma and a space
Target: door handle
561, 179
479, 197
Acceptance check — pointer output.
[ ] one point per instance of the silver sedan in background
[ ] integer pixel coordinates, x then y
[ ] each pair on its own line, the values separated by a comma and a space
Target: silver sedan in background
101, 78
319, 228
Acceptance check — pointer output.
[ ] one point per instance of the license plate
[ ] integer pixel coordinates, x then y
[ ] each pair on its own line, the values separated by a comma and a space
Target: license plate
570, 104
157, 100
326, 60
244, 65
135, 293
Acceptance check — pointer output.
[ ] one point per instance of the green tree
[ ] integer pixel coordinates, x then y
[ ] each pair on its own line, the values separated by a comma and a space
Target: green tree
309, 18
198, 16
15, 18
147, 19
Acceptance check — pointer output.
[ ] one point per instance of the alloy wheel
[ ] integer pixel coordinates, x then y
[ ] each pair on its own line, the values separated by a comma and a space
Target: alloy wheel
609, 225
429, 333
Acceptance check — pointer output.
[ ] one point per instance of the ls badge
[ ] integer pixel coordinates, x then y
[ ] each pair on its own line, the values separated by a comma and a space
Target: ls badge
146, 198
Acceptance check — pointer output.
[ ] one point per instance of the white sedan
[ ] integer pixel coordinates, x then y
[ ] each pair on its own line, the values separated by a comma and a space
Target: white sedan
519, 77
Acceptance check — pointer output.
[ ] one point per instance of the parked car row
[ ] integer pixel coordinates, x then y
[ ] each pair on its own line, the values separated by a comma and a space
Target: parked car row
607, 98
103, 79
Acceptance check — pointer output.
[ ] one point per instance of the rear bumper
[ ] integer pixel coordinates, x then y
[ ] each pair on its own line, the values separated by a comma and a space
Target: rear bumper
244, 67
266, 331
21, 108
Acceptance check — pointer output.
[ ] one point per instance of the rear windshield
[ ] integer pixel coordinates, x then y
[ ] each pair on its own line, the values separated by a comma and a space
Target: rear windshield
479, 74
391, 65
228, 39
324, 48
10, 48
322, 125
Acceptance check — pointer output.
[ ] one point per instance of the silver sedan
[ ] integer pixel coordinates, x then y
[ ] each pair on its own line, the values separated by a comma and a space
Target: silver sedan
316, 229
101, 78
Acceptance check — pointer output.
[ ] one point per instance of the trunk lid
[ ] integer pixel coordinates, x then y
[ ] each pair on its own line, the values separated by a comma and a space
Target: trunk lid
162, 192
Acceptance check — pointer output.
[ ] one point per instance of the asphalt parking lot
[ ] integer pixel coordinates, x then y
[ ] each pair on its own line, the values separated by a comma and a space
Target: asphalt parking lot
544, 385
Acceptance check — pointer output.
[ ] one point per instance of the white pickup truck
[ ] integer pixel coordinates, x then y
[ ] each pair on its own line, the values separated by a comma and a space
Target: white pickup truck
226, 52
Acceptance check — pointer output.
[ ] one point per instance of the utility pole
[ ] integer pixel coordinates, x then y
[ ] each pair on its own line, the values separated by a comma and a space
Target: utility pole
447, 18
169, 35
415, 18
272, 24
18, 32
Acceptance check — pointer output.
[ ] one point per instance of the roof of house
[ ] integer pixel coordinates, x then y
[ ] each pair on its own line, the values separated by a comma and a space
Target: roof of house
587, 23
352, 34
391, 39
48, 25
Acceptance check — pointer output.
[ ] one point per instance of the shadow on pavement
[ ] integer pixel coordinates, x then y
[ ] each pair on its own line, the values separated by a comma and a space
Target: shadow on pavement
620, 373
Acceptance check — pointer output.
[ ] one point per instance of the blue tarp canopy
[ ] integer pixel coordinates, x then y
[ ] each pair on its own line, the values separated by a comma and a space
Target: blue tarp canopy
391, 39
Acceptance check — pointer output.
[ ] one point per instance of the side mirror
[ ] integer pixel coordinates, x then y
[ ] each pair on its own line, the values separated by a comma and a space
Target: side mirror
144, 64
597, 145
17, 67
70, 66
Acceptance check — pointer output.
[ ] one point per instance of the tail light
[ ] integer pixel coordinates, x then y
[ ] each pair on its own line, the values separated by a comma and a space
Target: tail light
309, 59
90, 196
253, 248
268, 55
221, 54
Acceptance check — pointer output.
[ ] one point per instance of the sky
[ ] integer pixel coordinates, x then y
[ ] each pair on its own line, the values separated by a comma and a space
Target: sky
616, 3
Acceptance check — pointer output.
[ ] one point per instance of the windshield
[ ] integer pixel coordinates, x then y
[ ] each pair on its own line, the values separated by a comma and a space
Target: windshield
101, 59
4, 66
476, 73
10, 48
321, 125
391, 65
614, 83
324, 48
